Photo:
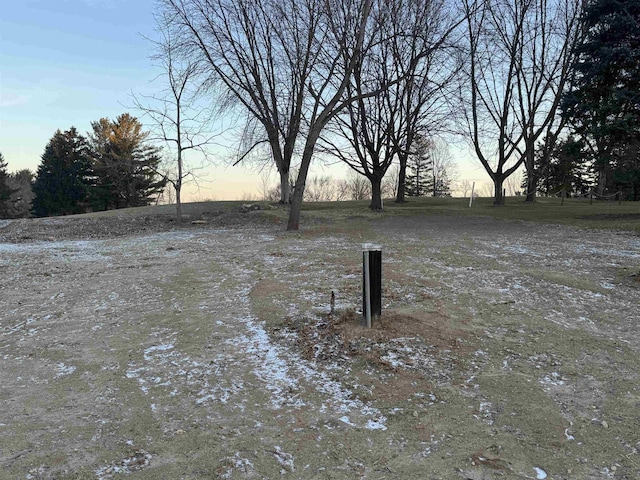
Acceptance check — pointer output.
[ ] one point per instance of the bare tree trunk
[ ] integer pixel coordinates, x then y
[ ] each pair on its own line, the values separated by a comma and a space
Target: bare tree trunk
178, 184
498, 195
285, 188
402, 179
178, 201
376, 193
298, 191
530, 168
532, 183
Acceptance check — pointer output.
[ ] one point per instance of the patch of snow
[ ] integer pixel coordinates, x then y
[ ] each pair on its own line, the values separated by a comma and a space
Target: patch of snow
64, 369
280, 370
345, 419
540, 473
520, 250
239, 464
376, 425
614, 253
270, 368
553, 378
35, 473
157, 348
285, 459
486, 412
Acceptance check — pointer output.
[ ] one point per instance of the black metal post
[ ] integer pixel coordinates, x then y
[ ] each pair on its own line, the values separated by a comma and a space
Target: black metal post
371, 283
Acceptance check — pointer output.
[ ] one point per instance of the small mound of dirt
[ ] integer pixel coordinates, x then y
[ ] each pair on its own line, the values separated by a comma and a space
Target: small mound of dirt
337, 337
431, 327
122, 223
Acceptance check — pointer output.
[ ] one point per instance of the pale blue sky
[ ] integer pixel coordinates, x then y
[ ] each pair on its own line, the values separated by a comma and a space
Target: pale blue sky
66, 63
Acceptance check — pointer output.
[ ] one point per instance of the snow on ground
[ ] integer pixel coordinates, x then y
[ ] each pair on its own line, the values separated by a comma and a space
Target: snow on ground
97, 335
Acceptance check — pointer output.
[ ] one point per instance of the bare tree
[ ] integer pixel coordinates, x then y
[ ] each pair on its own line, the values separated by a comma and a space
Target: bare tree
444, 170
519, 53
268, 191
321, 188
544, 73
263, 52
399, 86
177, 117
512, 185
355, 186
464, 187
287, 62
485, 189
390, 182
423, 100
364, 122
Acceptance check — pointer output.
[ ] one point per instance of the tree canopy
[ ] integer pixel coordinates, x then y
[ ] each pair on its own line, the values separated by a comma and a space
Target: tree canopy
115, 168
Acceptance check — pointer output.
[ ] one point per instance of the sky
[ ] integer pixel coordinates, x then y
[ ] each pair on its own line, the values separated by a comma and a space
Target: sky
67, 63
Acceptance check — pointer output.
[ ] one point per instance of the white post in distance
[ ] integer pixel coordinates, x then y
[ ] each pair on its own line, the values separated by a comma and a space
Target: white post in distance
473, 186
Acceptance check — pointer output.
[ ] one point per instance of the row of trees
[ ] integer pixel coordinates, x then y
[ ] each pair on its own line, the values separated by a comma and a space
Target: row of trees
365, 81
79, 174
113, 167
427, 175
358, 80
362, 80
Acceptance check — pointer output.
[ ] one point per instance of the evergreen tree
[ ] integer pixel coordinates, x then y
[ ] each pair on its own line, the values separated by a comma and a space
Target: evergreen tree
442, 185
626, 171
604, 105
63, 178
419, 180
21, 183
565, 169
126, 166
5, 189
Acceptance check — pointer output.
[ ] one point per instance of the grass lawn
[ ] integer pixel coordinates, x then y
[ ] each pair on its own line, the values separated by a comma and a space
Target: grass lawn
605, 215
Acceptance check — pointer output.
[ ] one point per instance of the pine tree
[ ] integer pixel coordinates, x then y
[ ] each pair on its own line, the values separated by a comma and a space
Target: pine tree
21, 183
5, 189
419, 180
564, 172
626, 171
604, 105
126, 166
63, 178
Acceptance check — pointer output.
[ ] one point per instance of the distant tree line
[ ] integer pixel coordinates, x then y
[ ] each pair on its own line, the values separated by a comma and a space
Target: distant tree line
430, 171
551, 87
114, 166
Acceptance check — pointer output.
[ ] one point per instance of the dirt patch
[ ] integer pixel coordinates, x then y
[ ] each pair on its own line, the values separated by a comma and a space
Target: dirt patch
104, 225
430, 327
